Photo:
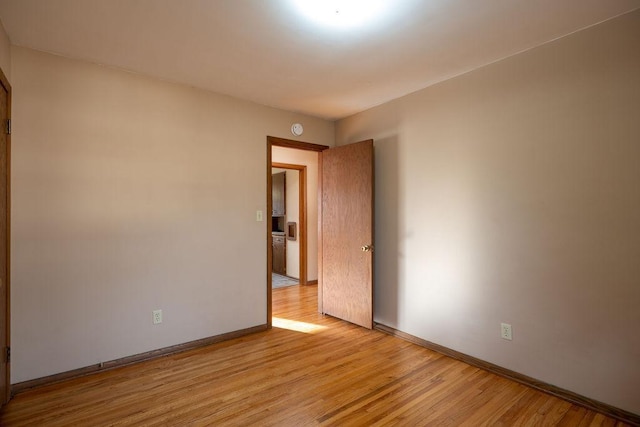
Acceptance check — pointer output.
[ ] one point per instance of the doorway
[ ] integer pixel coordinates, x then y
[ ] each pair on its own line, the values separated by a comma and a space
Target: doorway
345, 233
302, 158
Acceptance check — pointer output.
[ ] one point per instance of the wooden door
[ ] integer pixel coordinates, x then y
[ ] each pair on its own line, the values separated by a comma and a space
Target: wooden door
4, 242
347, 233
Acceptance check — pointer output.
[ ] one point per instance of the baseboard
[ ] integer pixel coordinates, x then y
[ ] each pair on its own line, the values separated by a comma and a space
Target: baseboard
129, 360
603, 408
312, 282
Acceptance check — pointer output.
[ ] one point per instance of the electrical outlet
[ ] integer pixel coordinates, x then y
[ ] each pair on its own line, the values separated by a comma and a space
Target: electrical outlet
505, 331
157, 316
258, 215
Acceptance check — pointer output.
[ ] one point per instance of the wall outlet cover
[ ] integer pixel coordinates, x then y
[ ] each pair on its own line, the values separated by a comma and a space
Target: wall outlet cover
157, 317
506, 332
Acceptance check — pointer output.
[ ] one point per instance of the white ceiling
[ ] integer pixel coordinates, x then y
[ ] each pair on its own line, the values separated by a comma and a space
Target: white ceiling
265, 51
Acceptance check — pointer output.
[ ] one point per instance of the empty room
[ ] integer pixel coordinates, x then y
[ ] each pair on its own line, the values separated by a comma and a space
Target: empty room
447, 193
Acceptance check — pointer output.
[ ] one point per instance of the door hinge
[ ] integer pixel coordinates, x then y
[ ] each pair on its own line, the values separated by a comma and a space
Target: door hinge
8, 354
8, 126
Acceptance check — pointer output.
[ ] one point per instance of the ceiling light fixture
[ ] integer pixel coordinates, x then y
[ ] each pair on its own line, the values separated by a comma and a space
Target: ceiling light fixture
341, 13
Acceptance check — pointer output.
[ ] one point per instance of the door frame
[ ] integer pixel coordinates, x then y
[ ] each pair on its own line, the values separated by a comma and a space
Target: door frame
4, 399
273, 141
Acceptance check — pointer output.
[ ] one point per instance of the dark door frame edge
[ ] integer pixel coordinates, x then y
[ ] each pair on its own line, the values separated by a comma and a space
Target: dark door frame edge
5, 83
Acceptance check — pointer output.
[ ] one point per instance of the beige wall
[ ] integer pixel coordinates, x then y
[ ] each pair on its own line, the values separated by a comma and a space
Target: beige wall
512, 194
5, 53
310, 160
132, 194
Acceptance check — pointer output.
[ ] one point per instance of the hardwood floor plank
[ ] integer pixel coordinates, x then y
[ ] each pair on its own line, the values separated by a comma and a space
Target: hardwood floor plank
333, 374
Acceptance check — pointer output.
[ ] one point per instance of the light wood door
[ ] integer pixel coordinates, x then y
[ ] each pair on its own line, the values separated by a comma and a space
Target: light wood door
4, 243
347, 233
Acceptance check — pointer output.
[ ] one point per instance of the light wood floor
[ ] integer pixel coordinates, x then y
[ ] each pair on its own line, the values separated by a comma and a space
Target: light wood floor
332, 373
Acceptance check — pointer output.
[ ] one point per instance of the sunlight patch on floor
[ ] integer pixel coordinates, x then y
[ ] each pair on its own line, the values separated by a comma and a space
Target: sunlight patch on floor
294, 325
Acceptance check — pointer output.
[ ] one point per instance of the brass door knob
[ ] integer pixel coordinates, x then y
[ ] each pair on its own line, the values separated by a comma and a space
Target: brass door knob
367, 248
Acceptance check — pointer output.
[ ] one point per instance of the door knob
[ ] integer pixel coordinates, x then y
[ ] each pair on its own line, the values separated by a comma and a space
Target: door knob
367, 248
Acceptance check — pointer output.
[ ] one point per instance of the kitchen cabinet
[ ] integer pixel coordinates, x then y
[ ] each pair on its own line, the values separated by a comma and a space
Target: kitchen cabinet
278, 193
279, 250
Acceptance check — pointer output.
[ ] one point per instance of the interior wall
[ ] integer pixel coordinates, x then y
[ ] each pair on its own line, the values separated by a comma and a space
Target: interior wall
293, 215
310, 160
511, 194
132, 194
